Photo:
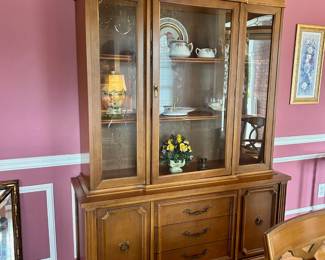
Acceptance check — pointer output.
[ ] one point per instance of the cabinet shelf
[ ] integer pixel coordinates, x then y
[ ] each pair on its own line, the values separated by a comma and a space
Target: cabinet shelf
131, 118
121, 173
193, 167
195, 117
194, 60
125, 119
113, 57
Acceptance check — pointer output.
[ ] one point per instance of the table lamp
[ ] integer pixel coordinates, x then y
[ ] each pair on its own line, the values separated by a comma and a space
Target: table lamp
115, 90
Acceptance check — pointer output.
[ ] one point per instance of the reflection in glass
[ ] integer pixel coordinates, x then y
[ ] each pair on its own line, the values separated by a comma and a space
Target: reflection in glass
118, 49
194, 64
255, 90
7, 249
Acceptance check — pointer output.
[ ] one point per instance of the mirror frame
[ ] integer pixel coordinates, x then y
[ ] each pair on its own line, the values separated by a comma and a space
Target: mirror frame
12, 188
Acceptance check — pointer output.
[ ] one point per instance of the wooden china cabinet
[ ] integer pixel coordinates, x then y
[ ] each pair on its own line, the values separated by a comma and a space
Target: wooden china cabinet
202, 69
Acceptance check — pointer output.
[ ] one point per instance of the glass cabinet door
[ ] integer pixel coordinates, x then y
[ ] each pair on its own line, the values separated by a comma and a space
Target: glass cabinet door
257, 89
121, 89
192, 54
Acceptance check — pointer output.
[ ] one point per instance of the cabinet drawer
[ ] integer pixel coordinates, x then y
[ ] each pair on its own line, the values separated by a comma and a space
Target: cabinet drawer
178, 211
122, 233
259, 214
193, 233
202, 252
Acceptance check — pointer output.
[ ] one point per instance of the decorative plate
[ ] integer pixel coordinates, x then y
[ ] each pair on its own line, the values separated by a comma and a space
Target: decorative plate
172, 29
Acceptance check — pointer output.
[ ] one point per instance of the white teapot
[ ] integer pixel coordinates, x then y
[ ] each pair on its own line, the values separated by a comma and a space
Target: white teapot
206, 53
179, 48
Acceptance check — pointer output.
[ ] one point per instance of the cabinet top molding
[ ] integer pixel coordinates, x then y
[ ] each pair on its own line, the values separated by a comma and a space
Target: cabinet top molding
277, 3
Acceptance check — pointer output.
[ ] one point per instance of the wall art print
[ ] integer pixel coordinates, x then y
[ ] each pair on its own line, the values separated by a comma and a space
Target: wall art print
308, 64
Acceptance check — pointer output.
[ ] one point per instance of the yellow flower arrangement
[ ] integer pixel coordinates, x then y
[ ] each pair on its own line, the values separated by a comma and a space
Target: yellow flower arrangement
176, 148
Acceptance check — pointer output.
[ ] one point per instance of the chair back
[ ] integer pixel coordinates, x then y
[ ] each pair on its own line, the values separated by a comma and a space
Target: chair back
302, 236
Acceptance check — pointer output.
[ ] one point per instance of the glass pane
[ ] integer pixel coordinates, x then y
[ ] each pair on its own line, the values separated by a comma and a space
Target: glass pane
194, 65
7, 250
255, 90
118, 47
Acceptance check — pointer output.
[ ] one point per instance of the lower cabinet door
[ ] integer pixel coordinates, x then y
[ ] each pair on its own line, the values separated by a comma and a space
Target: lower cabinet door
123, 233
259, 210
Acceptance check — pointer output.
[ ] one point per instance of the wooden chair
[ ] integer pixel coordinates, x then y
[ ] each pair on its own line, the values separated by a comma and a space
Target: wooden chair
302, 237
253, 146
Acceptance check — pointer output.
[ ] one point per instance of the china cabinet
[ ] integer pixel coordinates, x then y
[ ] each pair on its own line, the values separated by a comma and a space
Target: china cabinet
177, 112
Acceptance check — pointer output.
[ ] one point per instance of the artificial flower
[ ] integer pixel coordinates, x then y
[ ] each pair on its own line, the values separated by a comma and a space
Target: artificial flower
176, 148
170, 147
183, 147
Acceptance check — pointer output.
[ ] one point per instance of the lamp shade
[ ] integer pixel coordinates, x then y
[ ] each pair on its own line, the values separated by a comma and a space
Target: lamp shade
115, 83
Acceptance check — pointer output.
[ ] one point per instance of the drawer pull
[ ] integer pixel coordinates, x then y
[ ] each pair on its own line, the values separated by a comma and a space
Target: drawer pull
196, 212
258, 221
124, 246
197, 256
198, 234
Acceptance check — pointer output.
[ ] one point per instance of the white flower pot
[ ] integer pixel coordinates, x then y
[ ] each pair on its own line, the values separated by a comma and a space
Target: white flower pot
176, 167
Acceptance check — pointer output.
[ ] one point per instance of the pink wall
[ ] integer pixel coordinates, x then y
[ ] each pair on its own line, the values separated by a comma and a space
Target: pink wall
39, 112
38, 78
296, 120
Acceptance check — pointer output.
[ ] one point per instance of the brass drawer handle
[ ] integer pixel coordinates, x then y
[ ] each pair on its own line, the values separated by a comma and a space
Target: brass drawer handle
198, 234
196, 212
197, 256
124, 246
258, 221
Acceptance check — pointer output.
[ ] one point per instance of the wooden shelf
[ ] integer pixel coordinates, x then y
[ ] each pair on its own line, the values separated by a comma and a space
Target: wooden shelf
121, 173
188, 118
193, 167
126, 119
131, 118
125, 58
193, 116
194, 60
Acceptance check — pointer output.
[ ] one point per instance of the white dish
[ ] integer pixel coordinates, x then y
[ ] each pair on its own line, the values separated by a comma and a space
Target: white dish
172, 29
177, 111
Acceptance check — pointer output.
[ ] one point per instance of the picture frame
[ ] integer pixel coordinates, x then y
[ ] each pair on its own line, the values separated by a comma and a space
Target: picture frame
308, 64
10, 223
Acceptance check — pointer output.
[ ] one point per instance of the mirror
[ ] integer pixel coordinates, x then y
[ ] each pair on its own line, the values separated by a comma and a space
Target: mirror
10, 231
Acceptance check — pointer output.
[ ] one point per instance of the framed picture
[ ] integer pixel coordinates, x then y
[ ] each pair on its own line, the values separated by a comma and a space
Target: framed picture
10, 230
308, 64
